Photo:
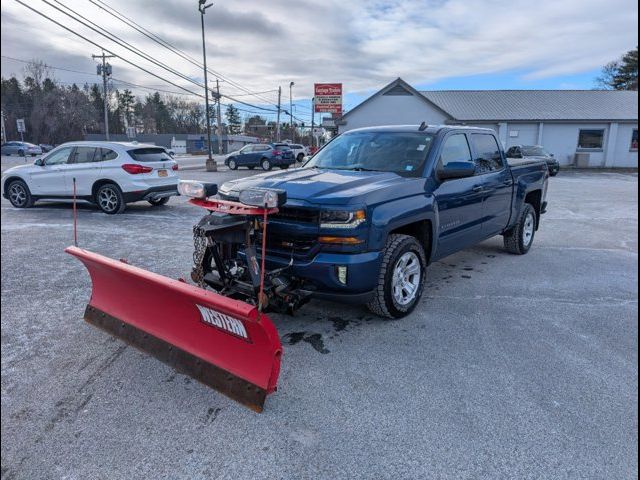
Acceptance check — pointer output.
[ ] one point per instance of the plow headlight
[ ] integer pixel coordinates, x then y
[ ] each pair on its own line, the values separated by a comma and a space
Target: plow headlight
341, 218
263, 197
191, 188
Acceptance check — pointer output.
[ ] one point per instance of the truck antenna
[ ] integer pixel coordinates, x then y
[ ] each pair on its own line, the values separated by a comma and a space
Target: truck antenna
423, 126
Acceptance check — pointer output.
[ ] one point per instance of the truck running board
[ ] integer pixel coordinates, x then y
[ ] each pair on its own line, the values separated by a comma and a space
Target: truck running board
223, 343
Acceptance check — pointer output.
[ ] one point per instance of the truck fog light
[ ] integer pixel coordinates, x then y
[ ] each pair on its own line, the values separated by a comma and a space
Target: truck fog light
342, 274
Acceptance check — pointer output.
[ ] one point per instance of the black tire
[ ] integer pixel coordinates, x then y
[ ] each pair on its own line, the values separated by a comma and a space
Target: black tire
284, 167
251, 167
232, 164
109, 199
21, 153
159, 202
553, 173
519, 238
265, 164
385, 302
300, 157
19, 194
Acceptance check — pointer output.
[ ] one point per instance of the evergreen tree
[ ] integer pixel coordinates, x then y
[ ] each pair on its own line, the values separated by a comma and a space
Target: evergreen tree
621, 74
233, 120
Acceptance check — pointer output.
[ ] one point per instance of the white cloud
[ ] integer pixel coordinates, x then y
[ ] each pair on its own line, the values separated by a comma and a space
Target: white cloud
263, 44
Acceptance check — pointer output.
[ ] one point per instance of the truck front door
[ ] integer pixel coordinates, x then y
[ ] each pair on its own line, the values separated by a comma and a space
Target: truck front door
459, 201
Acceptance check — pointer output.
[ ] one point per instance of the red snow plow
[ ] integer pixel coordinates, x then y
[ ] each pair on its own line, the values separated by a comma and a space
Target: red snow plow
215, 331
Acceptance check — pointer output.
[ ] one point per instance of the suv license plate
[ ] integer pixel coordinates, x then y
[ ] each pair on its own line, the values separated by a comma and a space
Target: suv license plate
162, 173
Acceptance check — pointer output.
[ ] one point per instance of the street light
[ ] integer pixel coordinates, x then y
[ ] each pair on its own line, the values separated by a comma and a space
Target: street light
291, 112
211, 163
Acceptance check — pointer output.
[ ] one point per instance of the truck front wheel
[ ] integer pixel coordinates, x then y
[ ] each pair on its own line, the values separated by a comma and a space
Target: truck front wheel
519, 238
401, 278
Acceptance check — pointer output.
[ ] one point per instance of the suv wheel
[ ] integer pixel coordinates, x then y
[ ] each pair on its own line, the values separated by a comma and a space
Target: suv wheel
19, 194
110, 199
519, 238
159, 202
401, 279
265, 164
300, 157
232, 165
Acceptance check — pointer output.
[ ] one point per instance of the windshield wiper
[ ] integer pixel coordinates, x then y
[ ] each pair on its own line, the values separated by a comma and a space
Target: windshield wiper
354, 169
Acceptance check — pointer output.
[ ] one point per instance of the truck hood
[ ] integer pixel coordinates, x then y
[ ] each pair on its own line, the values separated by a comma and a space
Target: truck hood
324, 186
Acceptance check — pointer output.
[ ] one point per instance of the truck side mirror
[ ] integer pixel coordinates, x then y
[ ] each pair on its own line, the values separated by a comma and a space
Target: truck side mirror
39, 162
457, 170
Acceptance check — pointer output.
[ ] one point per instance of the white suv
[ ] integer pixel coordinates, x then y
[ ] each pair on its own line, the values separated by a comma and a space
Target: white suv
299, 151
109, 174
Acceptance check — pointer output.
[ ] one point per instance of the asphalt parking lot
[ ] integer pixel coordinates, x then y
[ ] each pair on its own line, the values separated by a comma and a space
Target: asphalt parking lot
511, 367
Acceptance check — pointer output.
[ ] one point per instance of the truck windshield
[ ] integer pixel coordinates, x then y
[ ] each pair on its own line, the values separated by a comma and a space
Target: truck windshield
403, 153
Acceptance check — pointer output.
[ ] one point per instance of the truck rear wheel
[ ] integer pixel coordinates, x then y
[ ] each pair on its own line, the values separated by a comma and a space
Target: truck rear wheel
401, 279
519, 238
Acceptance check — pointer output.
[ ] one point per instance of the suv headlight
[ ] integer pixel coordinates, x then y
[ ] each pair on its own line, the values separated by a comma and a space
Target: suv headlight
341, 218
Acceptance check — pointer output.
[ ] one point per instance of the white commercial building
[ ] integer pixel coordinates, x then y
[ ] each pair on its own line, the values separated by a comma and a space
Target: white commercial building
595, 128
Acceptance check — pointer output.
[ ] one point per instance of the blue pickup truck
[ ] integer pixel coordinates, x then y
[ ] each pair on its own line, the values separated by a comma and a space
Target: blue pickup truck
367, 214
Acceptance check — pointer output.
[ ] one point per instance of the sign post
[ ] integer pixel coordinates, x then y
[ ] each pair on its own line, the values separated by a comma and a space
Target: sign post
21, 128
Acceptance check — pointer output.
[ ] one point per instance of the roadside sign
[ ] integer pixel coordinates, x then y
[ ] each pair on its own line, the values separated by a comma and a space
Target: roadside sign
328, 97
20, 125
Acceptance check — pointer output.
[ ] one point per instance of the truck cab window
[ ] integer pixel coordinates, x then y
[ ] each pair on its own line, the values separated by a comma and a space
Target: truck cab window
487, 153
455, 149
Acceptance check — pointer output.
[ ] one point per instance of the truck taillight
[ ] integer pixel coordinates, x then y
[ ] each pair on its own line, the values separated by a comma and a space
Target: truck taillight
135, 169
175, 167
277, 152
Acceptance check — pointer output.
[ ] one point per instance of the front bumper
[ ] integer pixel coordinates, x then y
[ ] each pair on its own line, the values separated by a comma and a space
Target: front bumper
152, 193
321, 276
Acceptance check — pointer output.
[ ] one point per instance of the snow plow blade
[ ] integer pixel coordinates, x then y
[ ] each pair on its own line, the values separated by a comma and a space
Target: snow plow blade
224, 343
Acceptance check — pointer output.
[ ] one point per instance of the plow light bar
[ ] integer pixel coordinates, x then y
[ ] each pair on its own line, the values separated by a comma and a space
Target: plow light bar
191, 188
263, 197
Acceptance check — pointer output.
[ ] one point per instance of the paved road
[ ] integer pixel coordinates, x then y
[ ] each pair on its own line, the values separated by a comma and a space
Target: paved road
512, 367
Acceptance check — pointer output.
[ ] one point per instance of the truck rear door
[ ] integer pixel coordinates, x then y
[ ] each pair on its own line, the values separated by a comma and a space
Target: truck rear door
496, 181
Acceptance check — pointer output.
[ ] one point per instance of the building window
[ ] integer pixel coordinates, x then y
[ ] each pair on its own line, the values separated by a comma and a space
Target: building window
634, 140
591, 139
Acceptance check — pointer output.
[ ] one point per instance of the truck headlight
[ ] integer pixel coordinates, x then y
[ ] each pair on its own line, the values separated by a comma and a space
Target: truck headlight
341, 218
191, 188
263, 197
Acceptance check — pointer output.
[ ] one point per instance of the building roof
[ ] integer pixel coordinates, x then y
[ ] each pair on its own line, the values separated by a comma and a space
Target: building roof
521, 105
478, 105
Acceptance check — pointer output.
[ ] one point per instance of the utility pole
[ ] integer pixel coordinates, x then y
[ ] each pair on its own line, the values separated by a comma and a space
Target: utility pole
293, 132
105, 70
211, 163
4, 132
219, 115
278, 118
313, 119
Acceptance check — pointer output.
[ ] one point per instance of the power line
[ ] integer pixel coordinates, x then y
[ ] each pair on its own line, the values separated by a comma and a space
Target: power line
123, 18
105, 49
126, 45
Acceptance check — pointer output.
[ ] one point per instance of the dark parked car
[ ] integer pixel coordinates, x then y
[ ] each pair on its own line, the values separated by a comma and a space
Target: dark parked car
535, 152
46, 147
263, 155
20, 148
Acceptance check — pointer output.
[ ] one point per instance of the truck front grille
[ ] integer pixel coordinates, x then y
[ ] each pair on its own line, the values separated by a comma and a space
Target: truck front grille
293, 214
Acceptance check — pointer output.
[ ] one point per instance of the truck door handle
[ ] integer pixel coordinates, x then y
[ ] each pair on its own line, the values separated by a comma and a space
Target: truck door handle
478, 188
508, 183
